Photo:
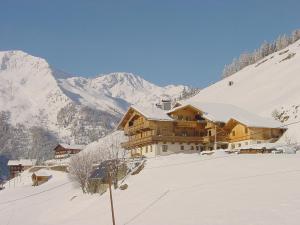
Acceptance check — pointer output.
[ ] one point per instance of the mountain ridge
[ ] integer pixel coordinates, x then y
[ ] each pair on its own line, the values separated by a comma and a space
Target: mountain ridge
73, 108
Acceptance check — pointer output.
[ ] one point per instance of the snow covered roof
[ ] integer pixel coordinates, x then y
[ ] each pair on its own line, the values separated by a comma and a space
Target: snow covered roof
152, 113
23, 162
73, 146
219, 112
42, 173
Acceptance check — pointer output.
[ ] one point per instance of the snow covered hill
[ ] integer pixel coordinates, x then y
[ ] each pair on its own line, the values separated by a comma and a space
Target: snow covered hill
75, 109
182, 189
271, 84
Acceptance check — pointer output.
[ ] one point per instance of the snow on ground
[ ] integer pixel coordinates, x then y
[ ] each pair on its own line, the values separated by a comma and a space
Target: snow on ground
274, 84
177, 189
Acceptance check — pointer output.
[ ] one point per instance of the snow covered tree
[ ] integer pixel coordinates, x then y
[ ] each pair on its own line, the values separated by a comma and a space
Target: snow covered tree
246, 59
295, 35
282, 42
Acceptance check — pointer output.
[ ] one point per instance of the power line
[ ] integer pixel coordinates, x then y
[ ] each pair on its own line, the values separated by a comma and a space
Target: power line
147, 207
38, 193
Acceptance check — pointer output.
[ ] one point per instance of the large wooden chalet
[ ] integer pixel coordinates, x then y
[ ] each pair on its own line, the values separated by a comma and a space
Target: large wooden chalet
62, 151
194, 126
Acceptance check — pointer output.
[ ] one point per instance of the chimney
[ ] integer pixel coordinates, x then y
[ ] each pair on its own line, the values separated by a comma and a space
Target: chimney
166, 104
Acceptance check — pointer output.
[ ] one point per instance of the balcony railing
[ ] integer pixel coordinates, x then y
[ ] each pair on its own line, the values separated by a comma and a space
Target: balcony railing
136, 127
210, 139
186, 123
152, 139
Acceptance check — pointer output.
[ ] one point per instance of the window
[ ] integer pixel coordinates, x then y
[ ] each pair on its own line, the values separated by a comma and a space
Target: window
239, 145
246, 130
232, 146
197, 148
182, 147
146, 149
150, 148
209, 133
258, 142
246, 143
158, 131
165, 148
233, 133
192, 147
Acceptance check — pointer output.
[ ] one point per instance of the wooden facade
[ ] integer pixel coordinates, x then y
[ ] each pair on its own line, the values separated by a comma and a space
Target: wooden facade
240, 133
63, 151
39, 178
189, 125
185, 126
14, 170
18, 166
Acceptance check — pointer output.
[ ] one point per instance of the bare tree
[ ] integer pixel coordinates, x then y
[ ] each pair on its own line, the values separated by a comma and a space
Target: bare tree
80, 168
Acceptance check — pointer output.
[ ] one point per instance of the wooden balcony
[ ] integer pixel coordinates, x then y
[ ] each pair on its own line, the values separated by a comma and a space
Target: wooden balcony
137, 127
211, 139
155, 138
186, 123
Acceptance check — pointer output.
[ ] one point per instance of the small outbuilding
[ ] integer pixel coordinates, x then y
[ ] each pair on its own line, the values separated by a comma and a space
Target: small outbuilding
40, 177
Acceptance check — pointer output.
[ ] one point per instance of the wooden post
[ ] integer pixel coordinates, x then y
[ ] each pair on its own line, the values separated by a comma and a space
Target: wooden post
110, 195
215, 143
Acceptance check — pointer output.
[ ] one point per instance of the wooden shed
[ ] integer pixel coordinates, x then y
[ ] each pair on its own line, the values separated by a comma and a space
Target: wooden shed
40, 177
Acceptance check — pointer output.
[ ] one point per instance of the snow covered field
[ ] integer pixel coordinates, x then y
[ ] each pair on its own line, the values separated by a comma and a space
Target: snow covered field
177, 189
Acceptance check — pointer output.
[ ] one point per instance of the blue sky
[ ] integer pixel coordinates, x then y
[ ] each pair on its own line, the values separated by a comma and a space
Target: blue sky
170, 41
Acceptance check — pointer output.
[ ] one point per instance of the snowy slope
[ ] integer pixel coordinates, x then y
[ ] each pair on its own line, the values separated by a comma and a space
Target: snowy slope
36, 94
273, 83
177, 189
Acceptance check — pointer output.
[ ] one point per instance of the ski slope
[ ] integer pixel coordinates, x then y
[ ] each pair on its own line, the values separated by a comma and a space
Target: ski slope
178, 189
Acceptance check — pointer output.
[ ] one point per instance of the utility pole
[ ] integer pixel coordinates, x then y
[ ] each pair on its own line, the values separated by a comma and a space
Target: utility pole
110, 195
215, 143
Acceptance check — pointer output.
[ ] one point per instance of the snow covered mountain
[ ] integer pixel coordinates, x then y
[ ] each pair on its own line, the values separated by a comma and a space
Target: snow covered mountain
115, 91
270, 87
75, 109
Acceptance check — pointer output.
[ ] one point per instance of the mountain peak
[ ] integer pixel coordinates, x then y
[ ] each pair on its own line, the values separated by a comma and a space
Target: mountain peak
17, 59
121, 76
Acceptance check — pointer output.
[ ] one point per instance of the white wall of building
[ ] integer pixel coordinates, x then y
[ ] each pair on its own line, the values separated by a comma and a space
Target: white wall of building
239, 144
166, 149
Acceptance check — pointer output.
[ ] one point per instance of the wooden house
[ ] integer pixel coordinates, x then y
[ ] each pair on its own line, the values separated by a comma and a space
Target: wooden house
40, 177
252, 131
192, 127
18, 166
62, 151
